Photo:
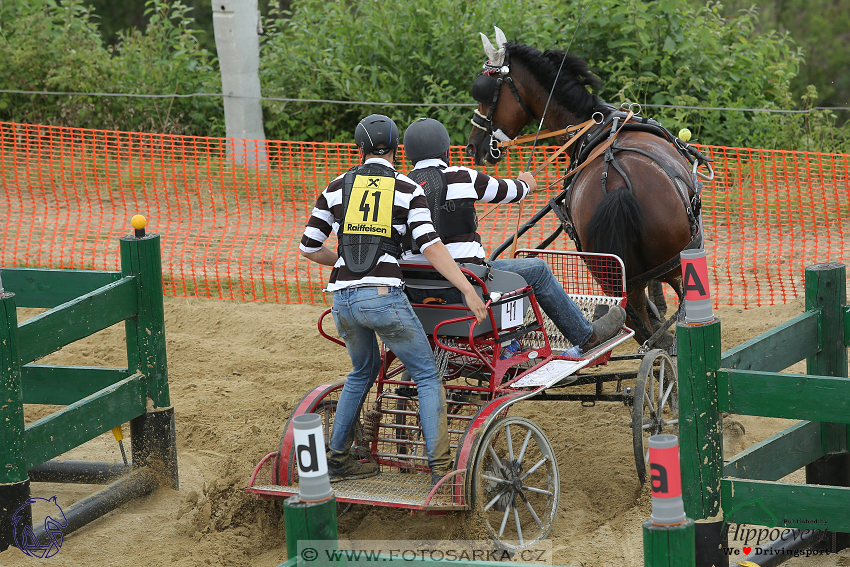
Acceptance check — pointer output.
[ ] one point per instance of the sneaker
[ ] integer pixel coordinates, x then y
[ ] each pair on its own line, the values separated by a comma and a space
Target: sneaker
342, 466
605, 327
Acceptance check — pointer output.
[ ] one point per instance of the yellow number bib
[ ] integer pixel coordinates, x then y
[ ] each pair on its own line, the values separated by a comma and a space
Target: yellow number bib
370, 206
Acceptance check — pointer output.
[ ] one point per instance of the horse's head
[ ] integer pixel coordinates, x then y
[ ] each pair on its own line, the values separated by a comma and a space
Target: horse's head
502, 112
514, 89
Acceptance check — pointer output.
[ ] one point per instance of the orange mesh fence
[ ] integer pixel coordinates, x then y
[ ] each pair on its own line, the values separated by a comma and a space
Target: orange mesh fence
232, 231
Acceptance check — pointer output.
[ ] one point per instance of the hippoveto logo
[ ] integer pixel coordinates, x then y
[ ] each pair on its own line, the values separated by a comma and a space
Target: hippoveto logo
25, 537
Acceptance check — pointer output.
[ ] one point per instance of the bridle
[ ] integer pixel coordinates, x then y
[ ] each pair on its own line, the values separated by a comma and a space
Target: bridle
486, 89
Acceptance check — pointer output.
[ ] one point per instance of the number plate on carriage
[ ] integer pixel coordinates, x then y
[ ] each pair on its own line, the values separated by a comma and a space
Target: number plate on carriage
512, 314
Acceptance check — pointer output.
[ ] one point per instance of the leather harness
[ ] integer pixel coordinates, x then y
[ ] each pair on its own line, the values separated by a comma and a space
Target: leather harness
641, 124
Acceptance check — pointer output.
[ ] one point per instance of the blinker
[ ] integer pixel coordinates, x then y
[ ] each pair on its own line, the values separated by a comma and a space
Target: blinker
483, 88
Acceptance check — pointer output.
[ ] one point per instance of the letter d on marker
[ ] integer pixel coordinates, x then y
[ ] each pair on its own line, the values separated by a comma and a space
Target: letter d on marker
313, 484
695, 286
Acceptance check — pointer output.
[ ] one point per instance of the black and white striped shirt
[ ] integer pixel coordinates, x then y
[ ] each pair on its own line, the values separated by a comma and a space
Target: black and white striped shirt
468, 184
410, 211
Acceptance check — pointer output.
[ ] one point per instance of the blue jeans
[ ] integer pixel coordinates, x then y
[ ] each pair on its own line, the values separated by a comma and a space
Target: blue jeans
551, 296
362, 314
549, 293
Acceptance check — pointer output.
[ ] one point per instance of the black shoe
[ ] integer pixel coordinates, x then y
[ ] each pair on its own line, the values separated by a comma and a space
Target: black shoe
605, 327
342, 466
437, 476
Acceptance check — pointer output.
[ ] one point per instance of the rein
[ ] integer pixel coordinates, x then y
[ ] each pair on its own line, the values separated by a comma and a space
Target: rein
544, 134
585, 126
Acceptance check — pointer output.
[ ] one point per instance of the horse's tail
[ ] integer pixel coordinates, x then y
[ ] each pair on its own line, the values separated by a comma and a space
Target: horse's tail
617, 223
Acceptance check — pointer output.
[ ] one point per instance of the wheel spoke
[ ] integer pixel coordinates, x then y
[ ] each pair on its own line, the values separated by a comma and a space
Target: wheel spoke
518, 527
496, 499
647, 397
539, 490
496, 459
494, 479
534, 468
505, 518
666, 395
524, 447
660, 398
510, 442
531, 510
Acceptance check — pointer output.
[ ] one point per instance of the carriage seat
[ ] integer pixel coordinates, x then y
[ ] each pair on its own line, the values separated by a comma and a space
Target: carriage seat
506, 315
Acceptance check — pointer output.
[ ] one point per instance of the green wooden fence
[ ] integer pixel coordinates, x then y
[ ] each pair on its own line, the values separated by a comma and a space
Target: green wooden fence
746, 380
95, 399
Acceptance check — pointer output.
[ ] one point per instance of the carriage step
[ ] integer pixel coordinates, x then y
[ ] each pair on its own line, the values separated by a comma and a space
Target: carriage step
552, 372
385, 489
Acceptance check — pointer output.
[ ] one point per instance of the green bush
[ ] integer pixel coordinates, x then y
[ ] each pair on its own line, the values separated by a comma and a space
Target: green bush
659, 52
47, 46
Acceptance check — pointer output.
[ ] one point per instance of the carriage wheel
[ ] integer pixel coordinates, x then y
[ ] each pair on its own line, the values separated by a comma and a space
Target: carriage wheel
515, 483
656, 404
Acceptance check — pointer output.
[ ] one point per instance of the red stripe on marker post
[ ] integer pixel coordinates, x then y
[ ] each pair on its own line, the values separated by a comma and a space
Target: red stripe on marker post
668, 509
695, 286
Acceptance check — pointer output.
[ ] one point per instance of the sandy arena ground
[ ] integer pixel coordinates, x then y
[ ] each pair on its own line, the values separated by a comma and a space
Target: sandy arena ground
237, 369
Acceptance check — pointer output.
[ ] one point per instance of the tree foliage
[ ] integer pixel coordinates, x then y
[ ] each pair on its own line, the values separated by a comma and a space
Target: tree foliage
822, 29
660, 52
48, 46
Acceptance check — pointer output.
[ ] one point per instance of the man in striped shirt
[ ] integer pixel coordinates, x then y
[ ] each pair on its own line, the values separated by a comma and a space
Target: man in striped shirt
369, 209
452, 192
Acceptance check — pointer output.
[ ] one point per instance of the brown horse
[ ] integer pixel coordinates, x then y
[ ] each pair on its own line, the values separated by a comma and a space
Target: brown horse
636, 200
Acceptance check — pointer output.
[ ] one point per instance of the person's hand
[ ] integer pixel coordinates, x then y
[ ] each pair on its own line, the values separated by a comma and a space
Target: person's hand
528, 178
473, 301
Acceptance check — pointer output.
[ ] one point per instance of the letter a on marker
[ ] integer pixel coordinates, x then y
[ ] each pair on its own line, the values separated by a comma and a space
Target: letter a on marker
659, 481
692, 281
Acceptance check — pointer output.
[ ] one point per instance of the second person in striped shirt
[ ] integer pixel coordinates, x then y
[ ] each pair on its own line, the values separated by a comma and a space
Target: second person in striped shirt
452, 192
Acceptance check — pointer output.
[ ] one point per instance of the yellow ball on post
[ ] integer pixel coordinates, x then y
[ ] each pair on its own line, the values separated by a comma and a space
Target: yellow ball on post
684, 134
139, 223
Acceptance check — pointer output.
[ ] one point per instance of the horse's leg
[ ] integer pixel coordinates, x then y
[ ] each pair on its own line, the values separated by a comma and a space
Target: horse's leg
656, 296
674, 279
638, 318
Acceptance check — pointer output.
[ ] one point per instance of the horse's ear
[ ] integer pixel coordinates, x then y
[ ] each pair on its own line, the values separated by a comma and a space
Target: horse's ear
488, 47
501, 40
495, 56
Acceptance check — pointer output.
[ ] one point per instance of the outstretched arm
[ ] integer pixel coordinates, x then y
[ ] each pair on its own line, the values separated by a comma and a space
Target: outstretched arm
439, 256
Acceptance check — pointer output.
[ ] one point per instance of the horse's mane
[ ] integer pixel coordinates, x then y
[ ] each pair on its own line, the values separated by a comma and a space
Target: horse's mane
571, 90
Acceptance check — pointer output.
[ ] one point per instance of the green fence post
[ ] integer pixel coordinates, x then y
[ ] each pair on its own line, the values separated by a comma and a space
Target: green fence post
669, 546
701, 435
14, 482
308, 522
826, 291
152, 436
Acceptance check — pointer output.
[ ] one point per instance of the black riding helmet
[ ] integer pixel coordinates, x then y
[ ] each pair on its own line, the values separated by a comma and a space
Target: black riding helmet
376, 130
426, 138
